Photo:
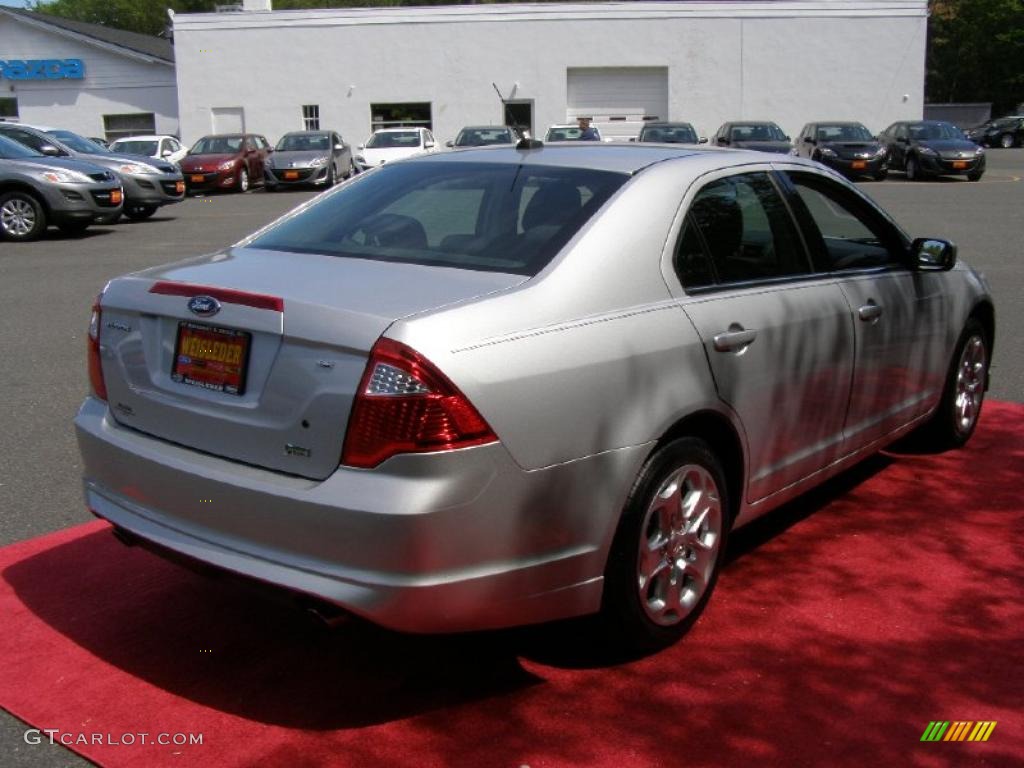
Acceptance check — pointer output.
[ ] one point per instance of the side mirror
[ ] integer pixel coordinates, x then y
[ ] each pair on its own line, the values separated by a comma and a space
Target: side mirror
50, 150
903, 140
361, 146
722, 141
449, 143
933, 255
338, 147
702, 140
429, 145
786, 138
809, 140
166, 153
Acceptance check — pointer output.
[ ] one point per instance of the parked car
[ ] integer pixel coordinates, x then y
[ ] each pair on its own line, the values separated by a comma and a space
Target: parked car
845, 146
502, 386
761, 136
158, 147
925, 148
317, 158
568, 133
1006, 132
148, 184
230, 161
484, 136
37, 191
387, 145
669, 133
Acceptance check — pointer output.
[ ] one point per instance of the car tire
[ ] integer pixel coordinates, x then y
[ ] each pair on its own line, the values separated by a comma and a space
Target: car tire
22, 216
912, 170
332, 178
139, 212
351, 169
963, 395
975, 175
668, 548
1006, 141
74, 228
243, 180
881, 175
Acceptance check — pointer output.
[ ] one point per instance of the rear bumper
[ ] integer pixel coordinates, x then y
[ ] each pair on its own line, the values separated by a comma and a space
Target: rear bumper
456, 541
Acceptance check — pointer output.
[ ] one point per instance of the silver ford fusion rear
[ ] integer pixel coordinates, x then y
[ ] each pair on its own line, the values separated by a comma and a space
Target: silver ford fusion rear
466, 391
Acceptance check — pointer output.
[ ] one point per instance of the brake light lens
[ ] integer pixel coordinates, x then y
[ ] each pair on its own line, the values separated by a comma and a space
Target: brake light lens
99, 387
404, 404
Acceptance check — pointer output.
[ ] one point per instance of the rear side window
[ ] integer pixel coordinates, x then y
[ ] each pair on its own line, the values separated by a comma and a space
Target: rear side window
484, 216
745, 230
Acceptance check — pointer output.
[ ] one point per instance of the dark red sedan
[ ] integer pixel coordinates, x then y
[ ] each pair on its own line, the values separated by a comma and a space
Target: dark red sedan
232, 161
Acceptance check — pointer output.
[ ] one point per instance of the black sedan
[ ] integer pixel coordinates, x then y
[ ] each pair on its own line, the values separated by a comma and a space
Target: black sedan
1005, 132
925, 148
847, 147
763, 137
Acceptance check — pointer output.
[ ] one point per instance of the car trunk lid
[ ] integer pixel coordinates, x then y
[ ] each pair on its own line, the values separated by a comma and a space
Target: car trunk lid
298, 328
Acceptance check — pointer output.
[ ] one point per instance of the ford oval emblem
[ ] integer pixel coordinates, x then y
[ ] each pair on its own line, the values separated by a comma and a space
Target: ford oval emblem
204, 306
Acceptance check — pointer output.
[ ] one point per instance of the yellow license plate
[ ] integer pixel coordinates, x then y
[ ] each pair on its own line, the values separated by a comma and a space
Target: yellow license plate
211, 358
115, 196
858, 165
959, 164
291, 174
179, 187
197, 178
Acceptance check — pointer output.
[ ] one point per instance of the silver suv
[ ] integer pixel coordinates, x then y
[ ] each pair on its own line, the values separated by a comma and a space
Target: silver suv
36, 191
148, 184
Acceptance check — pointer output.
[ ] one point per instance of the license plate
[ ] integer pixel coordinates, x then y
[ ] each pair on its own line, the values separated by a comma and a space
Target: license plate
858, 165
211, 358
115, 196
291, 174
960, 164
179, 186
198, 178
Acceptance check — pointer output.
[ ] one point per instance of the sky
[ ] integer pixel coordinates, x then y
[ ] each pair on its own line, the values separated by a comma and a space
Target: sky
13, 3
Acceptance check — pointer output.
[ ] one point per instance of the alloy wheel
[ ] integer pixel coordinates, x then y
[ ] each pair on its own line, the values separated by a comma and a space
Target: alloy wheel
17, 217
970, 383
680, 537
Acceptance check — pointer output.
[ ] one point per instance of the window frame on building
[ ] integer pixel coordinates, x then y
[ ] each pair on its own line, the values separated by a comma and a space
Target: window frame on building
311, 117
113, 133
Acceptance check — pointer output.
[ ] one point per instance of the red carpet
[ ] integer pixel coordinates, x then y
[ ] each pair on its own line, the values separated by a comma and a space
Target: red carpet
841, 627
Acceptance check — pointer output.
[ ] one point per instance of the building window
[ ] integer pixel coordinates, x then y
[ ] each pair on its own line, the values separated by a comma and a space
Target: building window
9, 108
414, 114
311, 117
121, 126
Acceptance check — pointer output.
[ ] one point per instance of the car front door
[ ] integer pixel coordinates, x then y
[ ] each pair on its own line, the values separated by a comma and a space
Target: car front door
899, 314
779, 338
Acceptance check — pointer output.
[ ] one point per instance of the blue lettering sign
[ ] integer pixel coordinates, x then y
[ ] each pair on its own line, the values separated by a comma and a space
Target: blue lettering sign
42, 69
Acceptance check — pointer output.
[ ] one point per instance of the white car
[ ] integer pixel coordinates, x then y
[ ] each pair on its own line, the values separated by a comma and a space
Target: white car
159, 147
390, 144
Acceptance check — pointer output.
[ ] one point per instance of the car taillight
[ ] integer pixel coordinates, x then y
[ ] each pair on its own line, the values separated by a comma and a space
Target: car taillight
406, 405
99, 387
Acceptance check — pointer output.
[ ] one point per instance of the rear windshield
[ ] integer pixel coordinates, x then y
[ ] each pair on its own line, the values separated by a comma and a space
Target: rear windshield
128, 147
394, 139
483, 216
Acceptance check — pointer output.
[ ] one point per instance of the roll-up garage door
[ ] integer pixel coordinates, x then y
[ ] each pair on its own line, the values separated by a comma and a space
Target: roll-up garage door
618, 99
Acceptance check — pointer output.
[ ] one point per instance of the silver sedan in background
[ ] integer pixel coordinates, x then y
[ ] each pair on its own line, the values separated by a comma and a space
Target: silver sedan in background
504, 386
316, 158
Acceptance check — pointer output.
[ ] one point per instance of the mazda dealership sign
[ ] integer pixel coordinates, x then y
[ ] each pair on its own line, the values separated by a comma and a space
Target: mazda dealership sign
42, 69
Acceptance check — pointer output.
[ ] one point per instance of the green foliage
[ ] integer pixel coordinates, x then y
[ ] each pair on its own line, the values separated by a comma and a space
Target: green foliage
976, 52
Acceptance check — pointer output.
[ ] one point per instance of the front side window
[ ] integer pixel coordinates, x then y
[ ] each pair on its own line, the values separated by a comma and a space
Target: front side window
851, 235
485, 216
746, 230
28, 139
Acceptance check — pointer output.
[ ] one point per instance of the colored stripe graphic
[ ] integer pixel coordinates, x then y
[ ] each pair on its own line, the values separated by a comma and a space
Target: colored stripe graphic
958, 730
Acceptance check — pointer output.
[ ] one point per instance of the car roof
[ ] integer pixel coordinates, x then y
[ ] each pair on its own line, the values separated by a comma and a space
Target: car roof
393, 130
145, 137
666, 123
486, 128
618, 158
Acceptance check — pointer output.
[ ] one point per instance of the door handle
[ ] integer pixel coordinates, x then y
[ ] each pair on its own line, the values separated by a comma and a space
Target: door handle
735, 338
870, 312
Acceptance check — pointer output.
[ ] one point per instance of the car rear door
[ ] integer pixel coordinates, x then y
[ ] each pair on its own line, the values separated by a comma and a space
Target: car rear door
779, 339
899, 314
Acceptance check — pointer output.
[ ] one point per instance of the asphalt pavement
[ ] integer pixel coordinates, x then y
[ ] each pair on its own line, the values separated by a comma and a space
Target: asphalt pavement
47, 289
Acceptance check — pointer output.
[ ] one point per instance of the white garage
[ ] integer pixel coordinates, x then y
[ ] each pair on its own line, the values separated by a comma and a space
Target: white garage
444, 67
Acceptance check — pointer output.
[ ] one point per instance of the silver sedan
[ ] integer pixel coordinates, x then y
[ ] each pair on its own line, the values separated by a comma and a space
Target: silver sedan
507, 385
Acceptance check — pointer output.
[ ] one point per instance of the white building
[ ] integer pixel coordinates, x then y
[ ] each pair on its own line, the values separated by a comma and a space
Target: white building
87, 78
354, 69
